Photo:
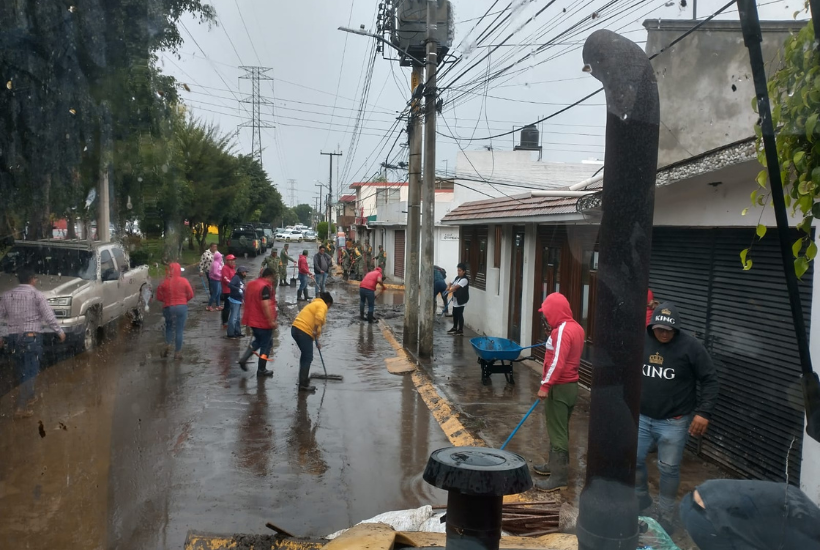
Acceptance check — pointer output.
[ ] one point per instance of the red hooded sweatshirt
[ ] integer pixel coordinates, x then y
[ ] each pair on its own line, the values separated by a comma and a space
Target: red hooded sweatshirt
303, 265
175, 290
565, 344
650, 309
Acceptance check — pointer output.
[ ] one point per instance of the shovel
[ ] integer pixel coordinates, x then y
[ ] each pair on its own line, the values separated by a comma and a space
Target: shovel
293, 278
325, 376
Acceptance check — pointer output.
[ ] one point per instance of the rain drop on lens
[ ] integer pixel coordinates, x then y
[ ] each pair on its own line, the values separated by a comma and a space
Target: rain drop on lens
626, 116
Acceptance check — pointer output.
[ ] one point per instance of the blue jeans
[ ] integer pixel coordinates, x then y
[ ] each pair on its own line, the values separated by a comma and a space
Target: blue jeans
175, 319
670, 435
303, 279
305, 343
26, 349
262, 341
216, 293
369, 296
234, 325
321, 280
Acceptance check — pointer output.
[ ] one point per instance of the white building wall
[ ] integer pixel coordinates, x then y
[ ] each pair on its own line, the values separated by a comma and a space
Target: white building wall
488, 311
522, 167
700, 203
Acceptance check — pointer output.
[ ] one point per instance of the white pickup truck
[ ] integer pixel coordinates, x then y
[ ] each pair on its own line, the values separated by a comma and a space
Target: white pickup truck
87, 284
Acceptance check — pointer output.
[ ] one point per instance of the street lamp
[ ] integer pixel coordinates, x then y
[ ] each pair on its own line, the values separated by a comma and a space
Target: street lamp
383, 41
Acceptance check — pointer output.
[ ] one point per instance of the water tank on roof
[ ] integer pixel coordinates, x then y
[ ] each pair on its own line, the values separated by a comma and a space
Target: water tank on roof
529, 139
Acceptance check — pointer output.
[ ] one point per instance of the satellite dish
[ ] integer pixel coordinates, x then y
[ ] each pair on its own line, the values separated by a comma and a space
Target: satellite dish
92, 195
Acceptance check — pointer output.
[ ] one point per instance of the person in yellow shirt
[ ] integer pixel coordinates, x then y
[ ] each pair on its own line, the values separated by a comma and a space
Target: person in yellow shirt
306, 329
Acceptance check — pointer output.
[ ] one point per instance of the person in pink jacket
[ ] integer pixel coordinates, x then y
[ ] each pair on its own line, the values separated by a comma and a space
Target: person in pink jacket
559, 386
215, 280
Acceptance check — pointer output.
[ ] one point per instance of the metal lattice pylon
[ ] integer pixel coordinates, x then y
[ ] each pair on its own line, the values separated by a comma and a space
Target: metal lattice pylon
256, 75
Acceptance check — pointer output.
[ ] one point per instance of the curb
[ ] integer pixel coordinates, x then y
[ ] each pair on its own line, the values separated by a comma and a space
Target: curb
442, 410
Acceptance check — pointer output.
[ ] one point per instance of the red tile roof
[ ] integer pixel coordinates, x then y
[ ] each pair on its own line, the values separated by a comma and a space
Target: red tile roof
347, 198
516, 206
377, 184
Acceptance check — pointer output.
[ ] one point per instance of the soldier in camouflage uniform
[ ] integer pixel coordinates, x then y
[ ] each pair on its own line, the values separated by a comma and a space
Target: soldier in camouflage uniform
331, 248
273, 262
358, 262
367, 253
285, 259
381, 258
347, 262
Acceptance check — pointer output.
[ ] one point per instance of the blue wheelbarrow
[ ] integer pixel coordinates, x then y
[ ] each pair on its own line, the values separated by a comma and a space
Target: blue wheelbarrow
497, 355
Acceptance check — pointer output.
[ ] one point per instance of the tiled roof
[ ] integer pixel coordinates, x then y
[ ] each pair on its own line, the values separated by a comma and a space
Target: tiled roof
377, 184
517, 206
347, 198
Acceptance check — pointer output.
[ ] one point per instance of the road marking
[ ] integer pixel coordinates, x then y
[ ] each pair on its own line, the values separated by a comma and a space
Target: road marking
441, 409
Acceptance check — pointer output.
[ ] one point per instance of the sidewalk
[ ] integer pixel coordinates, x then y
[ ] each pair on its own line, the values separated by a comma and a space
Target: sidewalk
491, 413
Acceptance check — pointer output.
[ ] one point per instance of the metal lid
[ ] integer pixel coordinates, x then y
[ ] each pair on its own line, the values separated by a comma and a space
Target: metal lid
478, 471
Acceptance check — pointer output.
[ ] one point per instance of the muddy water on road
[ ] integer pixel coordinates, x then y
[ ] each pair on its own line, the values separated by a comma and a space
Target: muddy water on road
139, 450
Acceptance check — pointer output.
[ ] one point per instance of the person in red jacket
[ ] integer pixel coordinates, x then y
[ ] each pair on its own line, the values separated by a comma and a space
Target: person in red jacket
175, 292
304, 274
559, 386
228, 271
260, 315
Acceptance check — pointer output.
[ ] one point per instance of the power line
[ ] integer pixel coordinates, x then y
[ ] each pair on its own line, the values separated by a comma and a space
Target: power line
258, 60
583, 99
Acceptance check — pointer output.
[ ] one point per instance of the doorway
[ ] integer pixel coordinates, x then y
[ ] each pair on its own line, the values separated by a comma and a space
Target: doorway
516, 284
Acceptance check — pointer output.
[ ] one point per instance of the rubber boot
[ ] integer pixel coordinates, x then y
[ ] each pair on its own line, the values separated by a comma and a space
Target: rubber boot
243, 361
544, 469
370, 318
559, 476
261, 367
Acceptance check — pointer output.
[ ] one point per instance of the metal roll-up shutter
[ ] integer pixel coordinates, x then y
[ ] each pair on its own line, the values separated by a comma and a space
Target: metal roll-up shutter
757, 427
398, 254
744, 320
680, 270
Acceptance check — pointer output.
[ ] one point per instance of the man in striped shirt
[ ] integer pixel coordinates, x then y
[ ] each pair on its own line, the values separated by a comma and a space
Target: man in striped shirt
559, 387
23, 312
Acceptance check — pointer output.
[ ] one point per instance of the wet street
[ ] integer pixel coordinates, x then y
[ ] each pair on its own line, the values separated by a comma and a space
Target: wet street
127, 450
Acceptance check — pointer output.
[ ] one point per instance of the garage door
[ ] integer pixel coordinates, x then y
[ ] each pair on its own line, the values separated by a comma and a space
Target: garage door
398, 254
743, 318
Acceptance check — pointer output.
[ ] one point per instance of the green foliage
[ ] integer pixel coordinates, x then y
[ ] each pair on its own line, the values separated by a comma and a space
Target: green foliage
304, 212
794, 92
321, 230
289, 217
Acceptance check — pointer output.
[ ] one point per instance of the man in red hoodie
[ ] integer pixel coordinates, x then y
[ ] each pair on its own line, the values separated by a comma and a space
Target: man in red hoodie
559, 386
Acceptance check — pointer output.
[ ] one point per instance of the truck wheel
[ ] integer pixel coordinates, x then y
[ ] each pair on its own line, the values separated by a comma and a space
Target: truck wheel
138, 313
90, 332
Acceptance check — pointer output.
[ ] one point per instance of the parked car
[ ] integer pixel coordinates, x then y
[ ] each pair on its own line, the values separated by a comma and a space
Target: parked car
280, 234
87, 284
309, 235
293, 236
244, 240
264, 243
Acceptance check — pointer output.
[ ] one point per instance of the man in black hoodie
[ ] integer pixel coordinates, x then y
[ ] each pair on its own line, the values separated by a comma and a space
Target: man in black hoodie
675, 365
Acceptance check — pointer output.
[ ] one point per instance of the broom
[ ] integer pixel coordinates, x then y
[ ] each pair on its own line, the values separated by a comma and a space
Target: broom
325, 376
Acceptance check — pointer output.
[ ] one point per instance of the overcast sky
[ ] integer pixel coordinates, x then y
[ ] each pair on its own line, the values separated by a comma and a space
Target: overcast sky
319, 75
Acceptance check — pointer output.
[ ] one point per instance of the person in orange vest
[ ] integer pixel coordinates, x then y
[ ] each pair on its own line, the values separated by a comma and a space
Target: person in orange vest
260, 315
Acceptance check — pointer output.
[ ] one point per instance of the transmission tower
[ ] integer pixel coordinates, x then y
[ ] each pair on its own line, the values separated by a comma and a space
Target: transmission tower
256, 75
292, 189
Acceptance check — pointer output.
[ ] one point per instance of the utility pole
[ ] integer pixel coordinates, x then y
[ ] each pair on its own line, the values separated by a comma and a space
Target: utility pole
321, 187
256, 75
330, 185
106, 160
410, 336
427, 307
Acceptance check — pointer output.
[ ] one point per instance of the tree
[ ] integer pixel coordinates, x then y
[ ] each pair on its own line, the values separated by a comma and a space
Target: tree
289, 217
794, 92
321, 230
304, 212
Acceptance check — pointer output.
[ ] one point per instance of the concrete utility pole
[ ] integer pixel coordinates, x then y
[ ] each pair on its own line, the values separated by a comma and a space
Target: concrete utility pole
106, 160
427, 307
410, 335
330, 185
